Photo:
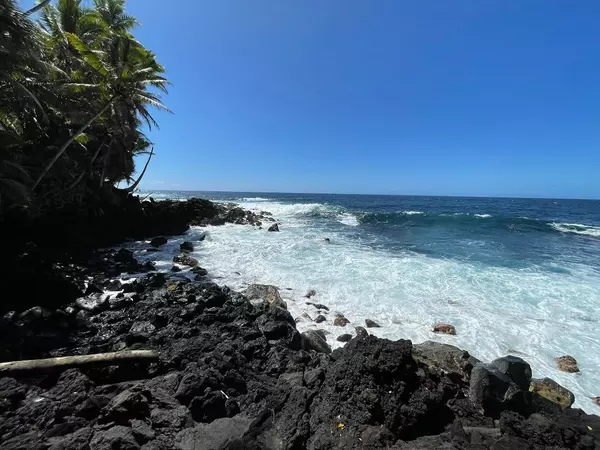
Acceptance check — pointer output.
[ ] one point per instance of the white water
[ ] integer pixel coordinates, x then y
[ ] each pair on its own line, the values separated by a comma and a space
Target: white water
496, 310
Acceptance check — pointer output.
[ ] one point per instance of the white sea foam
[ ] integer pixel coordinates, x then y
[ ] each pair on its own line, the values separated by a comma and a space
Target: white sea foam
496, 310
254, 199
412, 213
577, 228
348, 219
483, 216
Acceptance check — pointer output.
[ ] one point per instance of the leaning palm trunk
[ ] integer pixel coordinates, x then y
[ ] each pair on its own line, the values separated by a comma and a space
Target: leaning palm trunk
37, 7
82, 174
135, 185
69, 141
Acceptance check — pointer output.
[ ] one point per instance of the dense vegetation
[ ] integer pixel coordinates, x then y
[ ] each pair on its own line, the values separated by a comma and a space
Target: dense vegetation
76, 93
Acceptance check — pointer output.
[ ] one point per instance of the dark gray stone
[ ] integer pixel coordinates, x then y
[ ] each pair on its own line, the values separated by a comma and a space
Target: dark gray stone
344, 338
268, 293
320, 318
186, 246
213, 436
274, 227
371, 324
445, 357
93, 303
515, 368
158, 241
118, 437
185, 260
311, 340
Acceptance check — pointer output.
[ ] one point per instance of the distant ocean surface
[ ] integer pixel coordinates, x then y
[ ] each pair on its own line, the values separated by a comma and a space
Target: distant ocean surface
517, 276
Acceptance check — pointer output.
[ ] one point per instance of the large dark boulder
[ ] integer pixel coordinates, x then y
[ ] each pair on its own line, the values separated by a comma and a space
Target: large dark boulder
267, 293
445, 357
311, 340
158, 241
274, 227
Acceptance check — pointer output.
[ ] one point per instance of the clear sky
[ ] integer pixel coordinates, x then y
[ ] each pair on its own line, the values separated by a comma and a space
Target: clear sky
456, 97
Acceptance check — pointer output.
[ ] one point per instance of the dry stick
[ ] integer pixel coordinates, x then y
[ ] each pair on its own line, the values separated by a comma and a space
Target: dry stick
67, 362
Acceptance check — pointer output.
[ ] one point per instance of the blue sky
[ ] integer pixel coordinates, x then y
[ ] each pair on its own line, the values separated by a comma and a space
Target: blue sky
461, 97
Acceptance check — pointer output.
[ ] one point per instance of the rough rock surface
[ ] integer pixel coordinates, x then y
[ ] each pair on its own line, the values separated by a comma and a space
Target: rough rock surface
234, 375
444, 328
269, 294
274, 227
553, 391
567, 364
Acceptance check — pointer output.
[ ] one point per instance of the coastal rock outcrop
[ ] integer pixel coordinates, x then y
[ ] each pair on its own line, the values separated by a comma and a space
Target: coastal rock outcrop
268, 293
158, 241
444, 328
567, 364
274, 227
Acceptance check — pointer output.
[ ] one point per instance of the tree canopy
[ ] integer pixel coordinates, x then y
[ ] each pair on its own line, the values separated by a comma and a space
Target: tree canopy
76, 92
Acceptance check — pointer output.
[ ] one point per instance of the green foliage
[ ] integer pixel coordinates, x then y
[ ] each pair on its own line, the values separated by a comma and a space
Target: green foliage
76, 89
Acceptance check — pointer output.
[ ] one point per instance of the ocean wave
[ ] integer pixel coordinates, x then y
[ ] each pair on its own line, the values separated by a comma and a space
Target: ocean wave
348, 219
577, 228
412, 213
254, 199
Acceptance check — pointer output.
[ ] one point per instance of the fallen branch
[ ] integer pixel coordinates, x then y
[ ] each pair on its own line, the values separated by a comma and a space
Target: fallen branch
68, 362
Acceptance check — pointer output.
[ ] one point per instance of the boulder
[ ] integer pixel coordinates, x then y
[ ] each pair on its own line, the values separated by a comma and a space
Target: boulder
361, 333
158, 241
215, 435
125, 256
320, 318
185, 260
445, 357
371, 324
92, 303
34, 314
186, 246
267, 293
117, 437
318, 306
114, 285
311, 293
502, 385
444, 328
344, 337
175, 269
274, 227
567, 364
596, 400
553, 391
142, 328
311, 340
340, 321
126, 406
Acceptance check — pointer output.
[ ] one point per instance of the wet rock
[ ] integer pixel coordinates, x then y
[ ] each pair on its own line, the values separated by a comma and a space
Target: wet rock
553, 391
175, 269
265, 292
274, 227
186, 246
125, 256
340, 321
596, 400
444, 328
445, 357
155, 280
320, 318
344, 337
361, 333
93, 303
567, 364
502, 385
371, 324
114, 285
185, 260
122, 301
305, 317
199, 271
318, 306
159, 241
118, 437
311, 340
311, 293
201, 274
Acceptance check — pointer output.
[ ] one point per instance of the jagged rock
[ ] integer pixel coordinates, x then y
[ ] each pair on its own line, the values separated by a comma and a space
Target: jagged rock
303, 318
215, 435
175, 269
311, 340
143, 328
125, 256
141, 431
122, 300
311, 293
444, 328
344, 338
340, 321
274, 227
567, 364
445, 357
186, 246
553, 391
265, 292
127, 405
93, 303
320, 318
117, 437
185, 260
77, 440
371, 324
34, 314
502, 385
159, 241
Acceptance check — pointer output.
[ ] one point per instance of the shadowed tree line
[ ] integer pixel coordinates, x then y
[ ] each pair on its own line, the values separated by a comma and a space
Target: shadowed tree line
76, 92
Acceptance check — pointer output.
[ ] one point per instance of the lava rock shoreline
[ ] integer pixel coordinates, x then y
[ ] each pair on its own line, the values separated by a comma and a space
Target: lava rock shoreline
235, 373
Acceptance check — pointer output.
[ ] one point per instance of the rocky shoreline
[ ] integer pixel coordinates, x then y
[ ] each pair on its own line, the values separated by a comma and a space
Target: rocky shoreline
233, 372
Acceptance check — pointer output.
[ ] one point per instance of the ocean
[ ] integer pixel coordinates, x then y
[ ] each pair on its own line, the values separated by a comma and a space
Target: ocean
518, 276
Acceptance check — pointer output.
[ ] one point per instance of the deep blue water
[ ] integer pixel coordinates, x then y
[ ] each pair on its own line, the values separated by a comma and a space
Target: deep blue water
553, 234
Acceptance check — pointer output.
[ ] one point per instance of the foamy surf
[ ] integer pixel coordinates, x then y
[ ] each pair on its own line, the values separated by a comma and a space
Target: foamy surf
576, 228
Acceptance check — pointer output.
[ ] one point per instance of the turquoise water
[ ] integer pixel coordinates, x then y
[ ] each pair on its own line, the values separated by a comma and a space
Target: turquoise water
517, 276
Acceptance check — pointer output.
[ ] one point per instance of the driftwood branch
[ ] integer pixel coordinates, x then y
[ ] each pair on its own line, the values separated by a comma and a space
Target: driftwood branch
68, 362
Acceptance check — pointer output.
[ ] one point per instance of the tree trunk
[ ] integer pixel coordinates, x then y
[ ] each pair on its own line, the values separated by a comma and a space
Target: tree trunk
67, 362
69, 141
37, 7
134, 185
80, 177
